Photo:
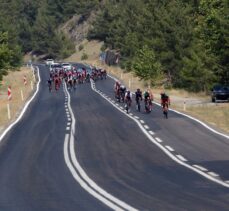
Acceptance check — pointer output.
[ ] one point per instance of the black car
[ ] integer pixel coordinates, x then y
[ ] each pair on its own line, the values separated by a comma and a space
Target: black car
220, 93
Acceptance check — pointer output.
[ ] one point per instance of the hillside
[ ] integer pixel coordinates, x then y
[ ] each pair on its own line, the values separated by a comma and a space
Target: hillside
185, 41
181, 42
31, 26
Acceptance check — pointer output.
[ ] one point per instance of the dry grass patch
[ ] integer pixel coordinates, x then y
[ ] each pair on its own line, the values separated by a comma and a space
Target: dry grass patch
15, 80
91, 49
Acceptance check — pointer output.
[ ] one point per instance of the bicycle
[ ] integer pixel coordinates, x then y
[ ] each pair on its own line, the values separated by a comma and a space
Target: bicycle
138, 105
148, 105
127, 106
165, 109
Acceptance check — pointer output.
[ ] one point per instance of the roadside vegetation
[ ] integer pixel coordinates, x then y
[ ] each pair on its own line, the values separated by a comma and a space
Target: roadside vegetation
33, 26
15, 81
183, 41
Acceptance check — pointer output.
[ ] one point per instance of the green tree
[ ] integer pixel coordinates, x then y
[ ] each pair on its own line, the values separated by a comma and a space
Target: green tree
146, 66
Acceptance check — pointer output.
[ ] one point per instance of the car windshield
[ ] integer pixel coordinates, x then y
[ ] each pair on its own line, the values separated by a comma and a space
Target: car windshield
221, 88
65, 64
56, 66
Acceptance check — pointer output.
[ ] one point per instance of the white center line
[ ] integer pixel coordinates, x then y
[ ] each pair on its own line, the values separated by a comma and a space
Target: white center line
158, 140
146, 127
170, 148
142, 121
182, 158
151, 132
200, 167
213, 174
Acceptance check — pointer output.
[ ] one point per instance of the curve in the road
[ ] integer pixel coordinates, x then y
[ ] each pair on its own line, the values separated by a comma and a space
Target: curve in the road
166, 149
79, 174
188, 116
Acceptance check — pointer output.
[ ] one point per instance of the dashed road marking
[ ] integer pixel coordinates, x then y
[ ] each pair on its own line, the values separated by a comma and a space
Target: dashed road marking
69, 119
182, 158
146, 127
67, 128
170, 148
142, 121
213, 174
200, 167
130, 114
69, 123
151, 132
158, 140
178, 158
136, 117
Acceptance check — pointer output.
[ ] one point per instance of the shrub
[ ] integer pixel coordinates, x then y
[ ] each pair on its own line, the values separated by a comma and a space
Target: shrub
84, 56
81, 47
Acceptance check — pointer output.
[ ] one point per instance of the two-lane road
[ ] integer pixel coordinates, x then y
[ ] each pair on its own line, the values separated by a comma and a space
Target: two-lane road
111, 149
33, 172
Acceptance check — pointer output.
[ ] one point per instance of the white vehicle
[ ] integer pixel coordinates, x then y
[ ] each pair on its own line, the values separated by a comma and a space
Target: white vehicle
66, 66
48, 62
55, 66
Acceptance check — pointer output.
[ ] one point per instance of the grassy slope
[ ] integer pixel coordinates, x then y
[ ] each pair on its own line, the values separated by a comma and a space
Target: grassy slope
15, 80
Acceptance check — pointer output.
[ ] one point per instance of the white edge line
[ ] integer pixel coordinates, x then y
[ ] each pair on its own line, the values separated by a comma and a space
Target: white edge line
80, 181
176, 159
188, 116
83, 173
24, 109
197, 120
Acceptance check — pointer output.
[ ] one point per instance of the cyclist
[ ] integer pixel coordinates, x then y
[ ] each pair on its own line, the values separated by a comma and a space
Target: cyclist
50, 84
128, 100
148, 98
122, 92
165, 102
117, 90
138, 98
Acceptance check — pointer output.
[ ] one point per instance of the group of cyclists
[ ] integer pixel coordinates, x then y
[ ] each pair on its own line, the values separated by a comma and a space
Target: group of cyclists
74, 77
124, 95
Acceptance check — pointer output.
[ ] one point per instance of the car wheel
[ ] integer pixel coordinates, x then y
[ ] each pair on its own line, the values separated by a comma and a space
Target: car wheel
213, 99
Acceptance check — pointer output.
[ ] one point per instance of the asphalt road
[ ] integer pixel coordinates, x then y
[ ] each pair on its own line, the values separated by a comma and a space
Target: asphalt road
114, 153
33, 172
